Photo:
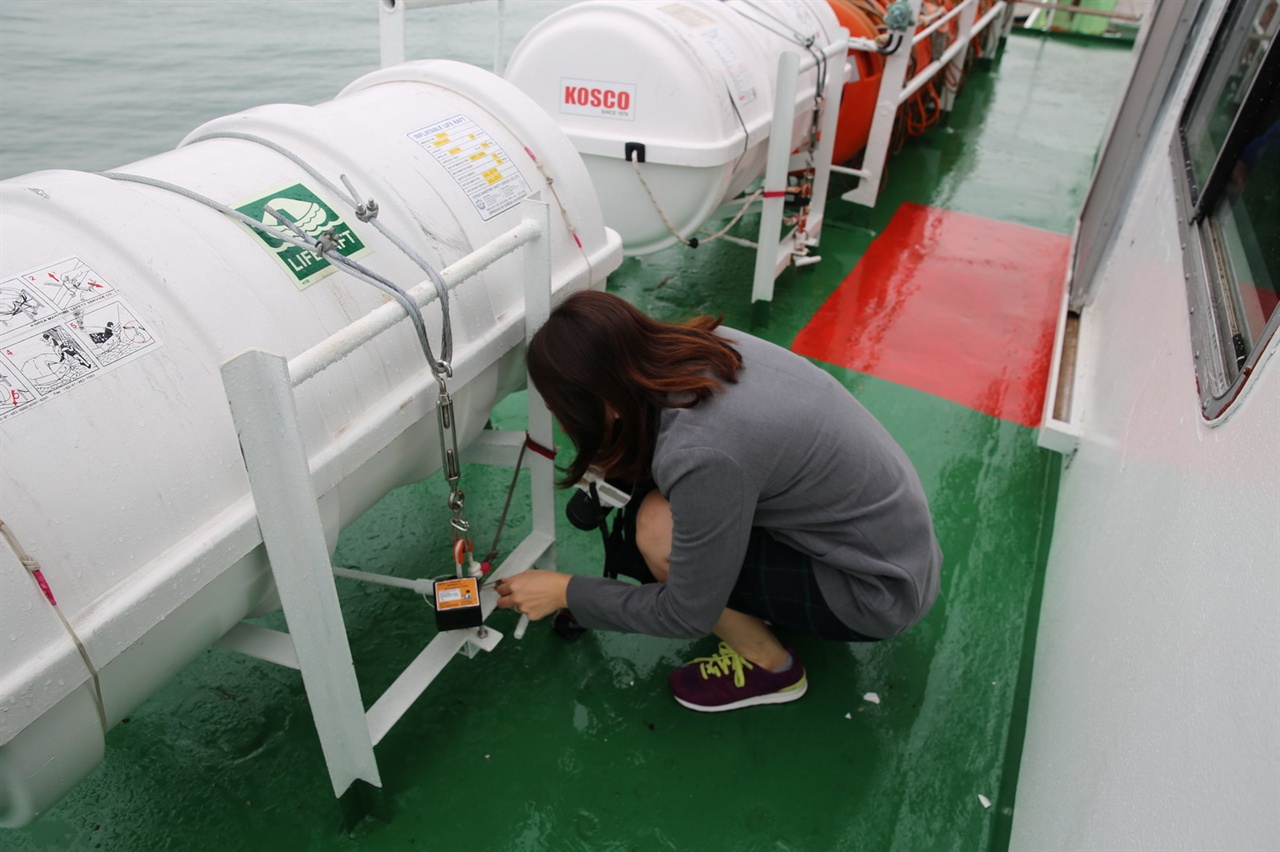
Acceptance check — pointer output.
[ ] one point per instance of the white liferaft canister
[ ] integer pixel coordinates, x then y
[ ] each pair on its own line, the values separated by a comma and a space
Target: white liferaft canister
692, 81
120, 470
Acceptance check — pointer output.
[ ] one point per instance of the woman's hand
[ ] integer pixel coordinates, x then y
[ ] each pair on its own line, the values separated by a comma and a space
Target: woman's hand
534, 593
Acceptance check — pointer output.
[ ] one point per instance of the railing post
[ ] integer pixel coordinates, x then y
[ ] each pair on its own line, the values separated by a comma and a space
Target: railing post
953, 71
775, 177
266, 418
392, 26
831, 96
537, 308
499, 46
892, 80
391, 31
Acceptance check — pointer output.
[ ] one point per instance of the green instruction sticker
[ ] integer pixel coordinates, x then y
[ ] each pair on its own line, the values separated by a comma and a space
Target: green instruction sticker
313, 217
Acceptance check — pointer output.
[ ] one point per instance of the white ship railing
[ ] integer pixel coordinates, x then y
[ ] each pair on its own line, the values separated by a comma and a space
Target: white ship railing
895, 89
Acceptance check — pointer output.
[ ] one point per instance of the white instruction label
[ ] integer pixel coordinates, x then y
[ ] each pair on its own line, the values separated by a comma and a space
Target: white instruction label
61, 325
801, 10
743, 85
476, 162
688, 15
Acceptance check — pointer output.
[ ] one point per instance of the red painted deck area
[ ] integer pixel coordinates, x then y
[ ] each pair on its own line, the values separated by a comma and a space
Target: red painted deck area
956, 305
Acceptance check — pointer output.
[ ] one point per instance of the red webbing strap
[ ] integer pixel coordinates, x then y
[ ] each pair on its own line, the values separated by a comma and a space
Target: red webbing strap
546, 453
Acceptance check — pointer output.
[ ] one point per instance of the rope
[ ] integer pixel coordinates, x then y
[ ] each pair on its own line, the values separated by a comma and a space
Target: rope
691, 242
564, 214
33, 568
870, 9
742, 210
502, 520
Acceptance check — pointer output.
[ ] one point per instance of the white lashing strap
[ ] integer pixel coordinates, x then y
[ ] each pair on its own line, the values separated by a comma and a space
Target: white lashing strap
33, 568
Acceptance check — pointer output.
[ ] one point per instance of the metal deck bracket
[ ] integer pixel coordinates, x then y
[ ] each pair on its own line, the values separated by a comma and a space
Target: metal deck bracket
260, 388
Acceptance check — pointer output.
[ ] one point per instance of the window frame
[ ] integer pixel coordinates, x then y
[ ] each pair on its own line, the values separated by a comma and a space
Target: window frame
1225, 357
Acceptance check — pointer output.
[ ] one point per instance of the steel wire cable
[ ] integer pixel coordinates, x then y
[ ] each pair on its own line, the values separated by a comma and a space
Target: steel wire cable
408, 303
364, 214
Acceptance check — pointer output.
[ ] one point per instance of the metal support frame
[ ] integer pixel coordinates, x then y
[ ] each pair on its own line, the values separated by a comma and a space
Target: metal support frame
774, 251
259, 387
895, 89
391, 26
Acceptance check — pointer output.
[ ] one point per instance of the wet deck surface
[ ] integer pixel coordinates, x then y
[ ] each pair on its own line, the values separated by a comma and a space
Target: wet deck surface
544, 744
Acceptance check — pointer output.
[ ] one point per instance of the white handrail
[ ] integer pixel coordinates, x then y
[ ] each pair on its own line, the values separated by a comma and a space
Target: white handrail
937, 24
895, 90
961, 43
339, 345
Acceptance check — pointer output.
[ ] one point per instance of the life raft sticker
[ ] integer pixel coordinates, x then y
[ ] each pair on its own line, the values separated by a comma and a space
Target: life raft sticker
744, 89
743, 84
61, 325
801, 10
312, 216
687, 15
598, 99
477, 163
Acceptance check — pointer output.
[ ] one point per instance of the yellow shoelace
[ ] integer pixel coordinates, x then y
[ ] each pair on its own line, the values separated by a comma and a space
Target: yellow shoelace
722, 662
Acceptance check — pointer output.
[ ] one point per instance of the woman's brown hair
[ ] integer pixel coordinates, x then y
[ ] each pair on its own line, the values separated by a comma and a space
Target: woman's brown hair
597, 350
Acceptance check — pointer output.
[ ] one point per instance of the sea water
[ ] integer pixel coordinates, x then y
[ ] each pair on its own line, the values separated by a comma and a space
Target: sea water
93, 85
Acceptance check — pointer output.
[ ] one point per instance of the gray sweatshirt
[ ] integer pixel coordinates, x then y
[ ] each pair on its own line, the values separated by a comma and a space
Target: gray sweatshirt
786, 448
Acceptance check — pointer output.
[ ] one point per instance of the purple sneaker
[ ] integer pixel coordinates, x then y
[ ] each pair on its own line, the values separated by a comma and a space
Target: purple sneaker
727, 681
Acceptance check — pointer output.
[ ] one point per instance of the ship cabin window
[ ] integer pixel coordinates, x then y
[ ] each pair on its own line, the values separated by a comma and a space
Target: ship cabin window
1227, 166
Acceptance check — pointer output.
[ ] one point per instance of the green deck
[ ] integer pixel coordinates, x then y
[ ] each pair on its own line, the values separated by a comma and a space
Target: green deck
546, 745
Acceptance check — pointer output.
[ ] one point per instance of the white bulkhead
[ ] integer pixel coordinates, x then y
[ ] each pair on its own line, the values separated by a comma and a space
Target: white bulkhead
692, 82
120, 471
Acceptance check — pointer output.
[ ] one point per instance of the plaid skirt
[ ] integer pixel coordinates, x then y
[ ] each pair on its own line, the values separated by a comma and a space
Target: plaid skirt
777, 584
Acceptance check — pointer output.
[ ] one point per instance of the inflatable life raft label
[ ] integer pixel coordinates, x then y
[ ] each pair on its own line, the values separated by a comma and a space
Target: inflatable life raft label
744, 88
61, 325
477, 163
801, 10
314, 217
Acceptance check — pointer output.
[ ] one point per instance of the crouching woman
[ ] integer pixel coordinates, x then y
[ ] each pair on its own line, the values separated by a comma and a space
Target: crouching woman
778, 501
